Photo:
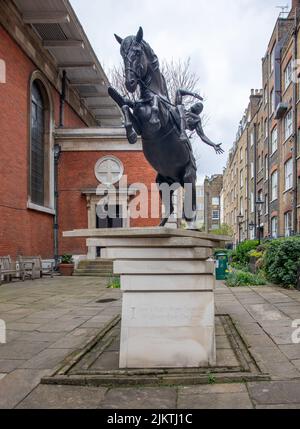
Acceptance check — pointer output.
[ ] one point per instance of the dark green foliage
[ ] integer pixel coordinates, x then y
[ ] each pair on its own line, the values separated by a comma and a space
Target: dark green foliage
282, 260
242, 278
240, 256
67, 259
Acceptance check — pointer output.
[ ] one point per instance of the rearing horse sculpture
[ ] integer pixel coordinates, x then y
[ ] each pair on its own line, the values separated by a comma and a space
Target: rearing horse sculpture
159, 122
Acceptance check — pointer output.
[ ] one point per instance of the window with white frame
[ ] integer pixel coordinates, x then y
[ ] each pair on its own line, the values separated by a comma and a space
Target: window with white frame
252, 169
272, 98
266, 167
252, 138
266, 204
242, 206
216, 215
288, 224
252, 202
288, 72
241, 178
274, 140
241, 155
288, 175
266, 128
274, 227
215, 201
272, 59
274, 185
265, 95
288, 124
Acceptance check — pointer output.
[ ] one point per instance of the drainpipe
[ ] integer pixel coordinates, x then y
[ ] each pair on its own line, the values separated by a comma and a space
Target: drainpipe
62, 100
57, 152
295, 203
255, 177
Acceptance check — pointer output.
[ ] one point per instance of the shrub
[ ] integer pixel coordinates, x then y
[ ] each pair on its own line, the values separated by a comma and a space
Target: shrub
238, 278
240, 255
114, 283
66, 259
282, 260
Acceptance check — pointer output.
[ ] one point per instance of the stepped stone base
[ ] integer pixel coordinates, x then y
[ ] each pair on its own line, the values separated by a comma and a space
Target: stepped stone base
94, 268
167, 281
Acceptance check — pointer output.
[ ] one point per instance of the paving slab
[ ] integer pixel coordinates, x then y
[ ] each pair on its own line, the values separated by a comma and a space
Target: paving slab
47, 359
215, 401
140, 398
276, 392
17, 385
63, 397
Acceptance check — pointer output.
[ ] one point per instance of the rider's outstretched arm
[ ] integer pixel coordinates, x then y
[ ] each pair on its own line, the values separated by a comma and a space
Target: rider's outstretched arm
202, 135
180, 93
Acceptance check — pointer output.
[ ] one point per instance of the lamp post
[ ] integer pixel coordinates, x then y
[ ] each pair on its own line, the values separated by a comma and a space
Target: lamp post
240, 218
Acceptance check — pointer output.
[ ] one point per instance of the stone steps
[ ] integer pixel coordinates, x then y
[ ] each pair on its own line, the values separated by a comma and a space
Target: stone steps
97, 268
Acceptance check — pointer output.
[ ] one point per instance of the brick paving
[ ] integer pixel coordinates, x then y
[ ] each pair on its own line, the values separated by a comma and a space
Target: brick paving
49, 319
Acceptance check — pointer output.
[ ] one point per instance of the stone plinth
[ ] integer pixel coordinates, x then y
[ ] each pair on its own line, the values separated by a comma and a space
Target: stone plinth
168, 283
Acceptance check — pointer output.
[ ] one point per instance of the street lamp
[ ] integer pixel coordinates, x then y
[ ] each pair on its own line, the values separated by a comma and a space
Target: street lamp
240, 219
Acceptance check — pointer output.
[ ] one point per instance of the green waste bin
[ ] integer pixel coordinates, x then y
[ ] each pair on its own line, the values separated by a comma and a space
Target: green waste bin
221, 265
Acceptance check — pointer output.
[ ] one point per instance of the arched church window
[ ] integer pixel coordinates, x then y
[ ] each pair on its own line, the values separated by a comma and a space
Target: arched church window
37, 176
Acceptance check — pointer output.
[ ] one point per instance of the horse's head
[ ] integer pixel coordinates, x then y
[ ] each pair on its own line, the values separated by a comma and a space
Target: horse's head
135, 59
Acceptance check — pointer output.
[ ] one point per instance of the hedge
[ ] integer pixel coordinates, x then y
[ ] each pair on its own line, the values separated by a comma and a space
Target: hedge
282, 260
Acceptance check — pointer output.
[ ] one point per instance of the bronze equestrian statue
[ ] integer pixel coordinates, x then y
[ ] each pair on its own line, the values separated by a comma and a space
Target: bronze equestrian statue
161, 124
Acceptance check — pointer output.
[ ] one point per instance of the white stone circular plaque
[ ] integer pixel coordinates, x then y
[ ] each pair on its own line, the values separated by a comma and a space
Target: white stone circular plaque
109, 170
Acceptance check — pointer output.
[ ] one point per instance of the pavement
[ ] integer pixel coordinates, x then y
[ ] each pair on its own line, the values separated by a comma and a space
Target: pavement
49, 319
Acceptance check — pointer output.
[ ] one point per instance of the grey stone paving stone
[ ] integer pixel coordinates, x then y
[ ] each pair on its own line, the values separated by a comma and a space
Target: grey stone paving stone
17, 385
261, 340
226, 357
9, 365
62, 325
275, 392
107, 361
292, 351
264, 312
23, 327
278, 407
47, 359
63, 397
140, 398
213, 388
215, 401
249, 328
281, 335
222, 342
75, 339
296, 363
2, 376
49, 337
21, 350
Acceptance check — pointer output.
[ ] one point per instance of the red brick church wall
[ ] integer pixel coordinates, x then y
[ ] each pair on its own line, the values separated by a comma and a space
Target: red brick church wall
76, 172
22, 231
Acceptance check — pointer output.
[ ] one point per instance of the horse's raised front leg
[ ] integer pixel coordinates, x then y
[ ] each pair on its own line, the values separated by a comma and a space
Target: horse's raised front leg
166, 192
131, 134
154, 120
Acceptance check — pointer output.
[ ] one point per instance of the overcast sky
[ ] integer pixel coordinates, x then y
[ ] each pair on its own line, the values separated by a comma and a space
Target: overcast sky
225, 40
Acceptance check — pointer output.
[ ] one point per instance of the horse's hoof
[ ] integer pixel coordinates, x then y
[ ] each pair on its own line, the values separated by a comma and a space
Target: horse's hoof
132, 139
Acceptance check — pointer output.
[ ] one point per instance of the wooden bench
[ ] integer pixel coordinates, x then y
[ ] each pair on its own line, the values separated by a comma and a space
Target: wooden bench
36, 266
10, 270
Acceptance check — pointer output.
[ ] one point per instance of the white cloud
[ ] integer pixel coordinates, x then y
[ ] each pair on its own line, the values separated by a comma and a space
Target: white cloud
225, 40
